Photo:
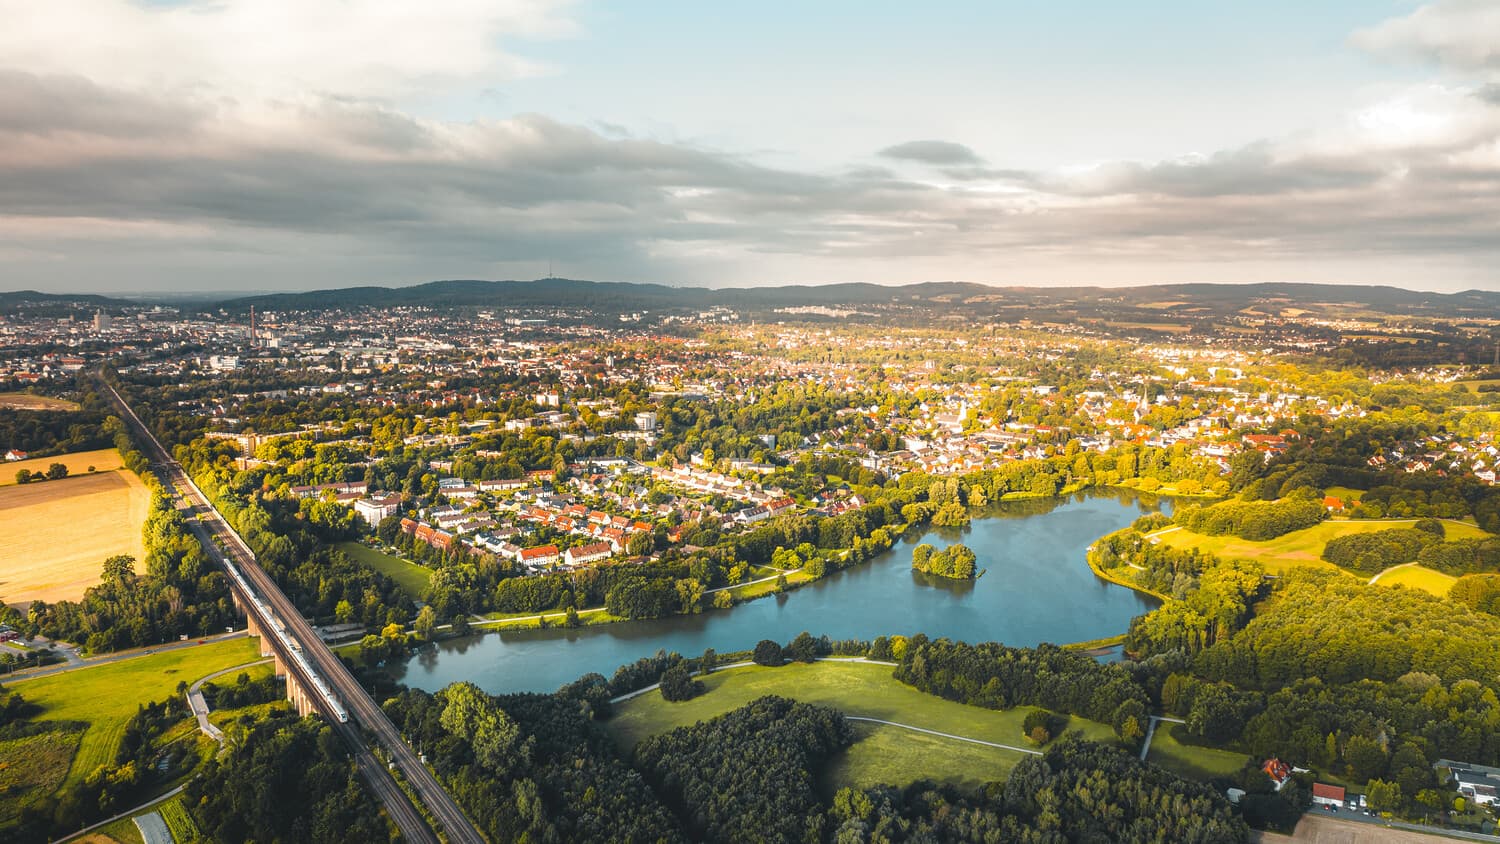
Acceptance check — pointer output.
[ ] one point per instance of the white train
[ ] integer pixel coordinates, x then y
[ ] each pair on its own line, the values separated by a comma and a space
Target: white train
279, 628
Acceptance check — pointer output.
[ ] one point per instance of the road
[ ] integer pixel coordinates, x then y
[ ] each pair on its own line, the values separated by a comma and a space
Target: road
224, 545
117, 656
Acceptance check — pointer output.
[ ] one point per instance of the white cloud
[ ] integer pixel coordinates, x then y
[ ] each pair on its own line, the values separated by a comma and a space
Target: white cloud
241, 49
1460, 34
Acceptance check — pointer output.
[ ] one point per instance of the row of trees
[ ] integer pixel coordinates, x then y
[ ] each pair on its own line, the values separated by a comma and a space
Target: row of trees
1255, 520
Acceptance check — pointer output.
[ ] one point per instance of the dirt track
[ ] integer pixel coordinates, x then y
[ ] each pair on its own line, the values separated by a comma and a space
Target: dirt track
1321, 829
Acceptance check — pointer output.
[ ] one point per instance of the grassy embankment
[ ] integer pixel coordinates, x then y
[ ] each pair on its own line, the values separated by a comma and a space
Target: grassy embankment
106, 696
882, 753
1191, 761
1304, 548
56, 535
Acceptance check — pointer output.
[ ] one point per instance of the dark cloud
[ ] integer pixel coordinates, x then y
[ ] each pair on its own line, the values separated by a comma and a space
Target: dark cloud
330, 191
939, 153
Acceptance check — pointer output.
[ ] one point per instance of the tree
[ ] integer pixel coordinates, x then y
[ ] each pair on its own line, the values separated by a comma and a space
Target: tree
804, 648
474, 717
23, 476
640, 544
1383, 796
709, 662
767, 653
343, 611
119, 569
677, 683
56, 472
425, 623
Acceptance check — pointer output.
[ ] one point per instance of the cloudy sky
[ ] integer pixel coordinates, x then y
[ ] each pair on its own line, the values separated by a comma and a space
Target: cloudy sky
236, 145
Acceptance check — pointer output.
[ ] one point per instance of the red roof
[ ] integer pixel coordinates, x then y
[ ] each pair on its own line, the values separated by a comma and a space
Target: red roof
1328, 792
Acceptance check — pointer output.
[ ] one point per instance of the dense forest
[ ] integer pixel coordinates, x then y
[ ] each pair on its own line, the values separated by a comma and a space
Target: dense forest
285, 779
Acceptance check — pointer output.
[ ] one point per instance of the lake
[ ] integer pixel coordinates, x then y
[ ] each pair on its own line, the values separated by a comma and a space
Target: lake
1037, 587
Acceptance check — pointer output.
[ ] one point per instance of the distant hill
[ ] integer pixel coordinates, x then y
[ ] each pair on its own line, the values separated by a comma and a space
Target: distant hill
1168, 301
15, 298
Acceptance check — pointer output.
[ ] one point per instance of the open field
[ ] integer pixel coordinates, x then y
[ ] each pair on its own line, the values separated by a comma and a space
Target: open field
27, 401
106, 696
78, 463
882, 754
888, 754
55, 536
32, 768
1300, 547
412, 578
1199, 763
1345, 493
1414, 576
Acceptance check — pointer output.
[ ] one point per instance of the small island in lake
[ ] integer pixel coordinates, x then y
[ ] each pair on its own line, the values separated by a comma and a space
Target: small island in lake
956, 561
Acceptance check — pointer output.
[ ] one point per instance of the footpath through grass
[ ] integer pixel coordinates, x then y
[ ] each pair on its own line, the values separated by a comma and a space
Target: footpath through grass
412, 578
1191, 761
883, 753
106, 696
1300, 547
1414, 576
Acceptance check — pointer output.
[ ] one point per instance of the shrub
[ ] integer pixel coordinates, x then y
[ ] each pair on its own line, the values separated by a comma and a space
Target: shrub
768, 653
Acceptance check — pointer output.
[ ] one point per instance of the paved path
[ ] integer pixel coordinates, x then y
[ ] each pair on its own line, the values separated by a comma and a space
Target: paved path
1151, 732
199, 706
153, 828
125, 814
1391, 569
944, 735
117, 656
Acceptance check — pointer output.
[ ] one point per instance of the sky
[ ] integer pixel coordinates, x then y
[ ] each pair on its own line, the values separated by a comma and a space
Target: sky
158, 146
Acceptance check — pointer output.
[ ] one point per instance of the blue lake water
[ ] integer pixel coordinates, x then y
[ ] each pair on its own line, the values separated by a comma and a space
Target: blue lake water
1037, 588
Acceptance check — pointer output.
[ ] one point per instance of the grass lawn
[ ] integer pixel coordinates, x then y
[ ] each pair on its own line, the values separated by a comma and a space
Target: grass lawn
56, 535
106, 696
892, 754
412, 578
882, 754
32, 768
1300, 547
1418, 577
27, 401
1345, 493
1199, 763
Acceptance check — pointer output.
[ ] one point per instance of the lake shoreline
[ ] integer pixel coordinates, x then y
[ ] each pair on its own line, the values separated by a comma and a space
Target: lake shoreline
1034, 543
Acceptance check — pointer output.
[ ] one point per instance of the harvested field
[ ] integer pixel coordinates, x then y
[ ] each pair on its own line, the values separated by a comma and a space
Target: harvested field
55, 536
27, 401
78, 463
